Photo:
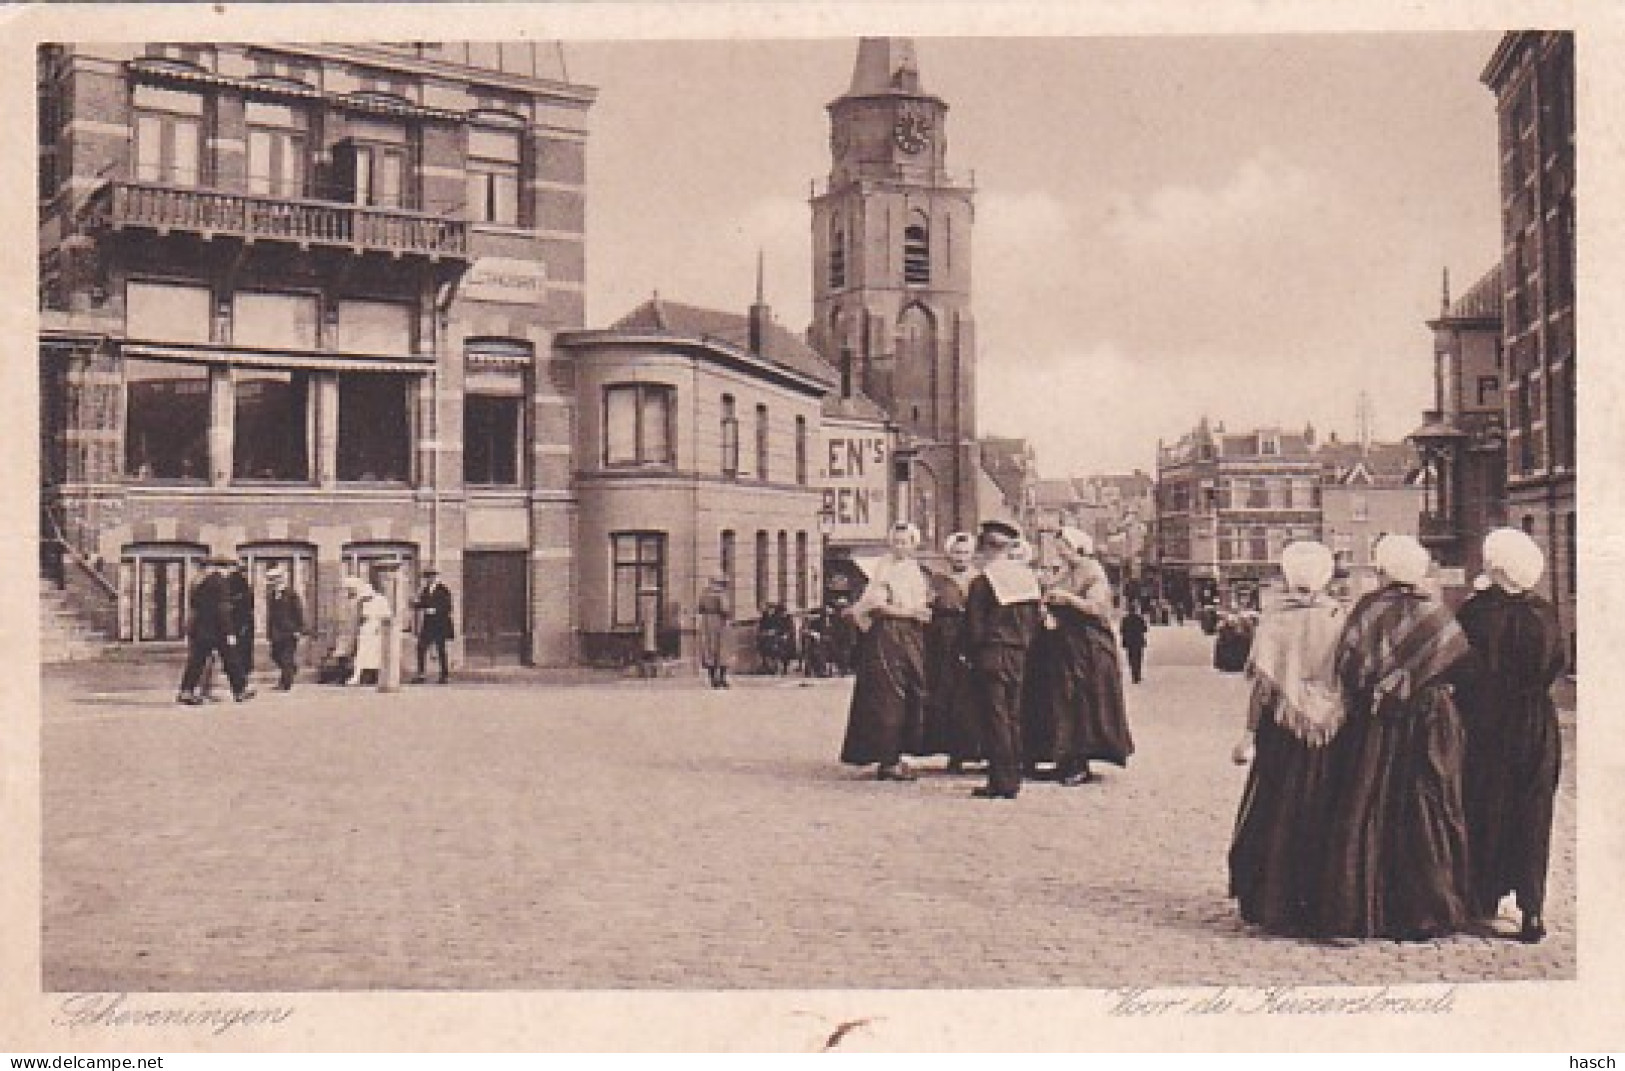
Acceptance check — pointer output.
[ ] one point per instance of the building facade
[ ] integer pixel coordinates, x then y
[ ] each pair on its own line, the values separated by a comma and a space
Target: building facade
1369, 491
1532, 77
696, 458
891, 231
298, 305
1462, 440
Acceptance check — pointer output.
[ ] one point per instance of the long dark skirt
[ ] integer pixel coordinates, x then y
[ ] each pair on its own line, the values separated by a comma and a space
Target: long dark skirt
1276, 853
1039, 722
1396, 861
953, 725
1514, 757
888, 698
1081, 687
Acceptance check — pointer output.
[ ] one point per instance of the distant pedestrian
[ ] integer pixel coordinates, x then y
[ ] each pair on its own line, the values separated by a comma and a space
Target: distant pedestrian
1276, 858
952, 723
1085, 682
1133, 629
339, 666
435, 626
284, 624
887, 713
242, 616
1002, 613
1396, 843
211, 631
713, 631
373, 614
1514, 749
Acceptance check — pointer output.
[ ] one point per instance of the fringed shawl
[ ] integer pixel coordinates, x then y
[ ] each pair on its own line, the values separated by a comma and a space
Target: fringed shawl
1294, 652
1398, 641
1012, 582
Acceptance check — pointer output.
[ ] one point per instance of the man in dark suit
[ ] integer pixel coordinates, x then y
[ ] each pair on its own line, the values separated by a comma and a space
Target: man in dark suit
211, 630
242, 615
433, 604
1002, 614
1133, 627
284, 624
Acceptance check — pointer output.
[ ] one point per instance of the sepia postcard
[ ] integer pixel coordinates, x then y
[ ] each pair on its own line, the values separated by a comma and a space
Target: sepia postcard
812, 527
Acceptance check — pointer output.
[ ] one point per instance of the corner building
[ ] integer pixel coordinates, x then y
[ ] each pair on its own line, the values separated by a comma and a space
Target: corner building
298, 305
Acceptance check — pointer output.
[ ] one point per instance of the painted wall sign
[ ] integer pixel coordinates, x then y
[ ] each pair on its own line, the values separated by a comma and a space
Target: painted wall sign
518, 282
856, 474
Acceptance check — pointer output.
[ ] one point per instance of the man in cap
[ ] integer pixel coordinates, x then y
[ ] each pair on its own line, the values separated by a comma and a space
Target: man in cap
1002, 614
284, 623
211, 630
433, 604
713, 614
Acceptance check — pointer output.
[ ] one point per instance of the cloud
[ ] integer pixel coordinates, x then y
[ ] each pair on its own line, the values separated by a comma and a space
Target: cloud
1263, 194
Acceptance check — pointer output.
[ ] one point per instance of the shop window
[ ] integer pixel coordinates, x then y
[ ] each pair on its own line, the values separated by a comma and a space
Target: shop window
154, 582
167, 312
271, 435
375, 437
274, 321
491, 440
493, 176
168, 136
638, 424
638, 583
166, 420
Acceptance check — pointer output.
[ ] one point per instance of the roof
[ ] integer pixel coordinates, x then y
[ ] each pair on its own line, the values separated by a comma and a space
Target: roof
885, 65
1053, 493
1482, 301
1378, 464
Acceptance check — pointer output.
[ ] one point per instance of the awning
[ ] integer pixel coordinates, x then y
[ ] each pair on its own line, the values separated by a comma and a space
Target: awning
281, 358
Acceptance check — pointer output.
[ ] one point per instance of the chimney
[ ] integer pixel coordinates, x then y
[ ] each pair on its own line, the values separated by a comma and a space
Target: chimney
760, 314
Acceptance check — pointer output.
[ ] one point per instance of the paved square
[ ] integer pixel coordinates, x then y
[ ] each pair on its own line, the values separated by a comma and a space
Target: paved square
653, 835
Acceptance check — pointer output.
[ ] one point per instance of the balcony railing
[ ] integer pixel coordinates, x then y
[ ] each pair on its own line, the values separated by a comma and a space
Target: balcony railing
324, 223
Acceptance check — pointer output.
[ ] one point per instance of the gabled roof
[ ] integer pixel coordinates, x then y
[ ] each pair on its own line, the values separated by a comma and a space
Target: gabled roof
1054, 494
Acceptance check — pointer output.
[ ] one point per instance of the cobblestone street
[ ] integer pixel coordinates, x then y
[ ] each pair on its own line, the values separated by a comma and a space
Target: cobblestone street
654, 835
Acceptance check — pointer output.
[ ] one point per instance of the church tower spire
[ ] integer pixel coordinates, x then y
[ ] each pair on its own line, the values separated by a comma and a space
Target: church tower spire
892, 271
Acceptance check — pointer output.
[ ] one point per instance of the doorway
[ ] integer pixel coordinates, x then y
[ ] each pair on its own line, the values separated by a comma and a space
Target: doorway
496, 599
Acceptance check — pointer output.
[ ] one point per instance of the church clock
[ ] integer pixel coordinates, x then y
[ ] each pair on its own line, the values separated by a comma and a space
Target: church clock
912, 131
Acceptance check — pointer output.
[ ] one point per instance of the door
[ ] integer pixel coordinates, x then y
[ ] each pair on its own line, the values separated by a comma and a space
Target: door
496, 594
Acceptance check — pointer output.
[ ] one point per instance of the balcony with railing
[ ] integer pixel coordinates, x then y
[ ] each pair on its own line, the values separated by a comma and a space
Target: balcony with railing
330, 224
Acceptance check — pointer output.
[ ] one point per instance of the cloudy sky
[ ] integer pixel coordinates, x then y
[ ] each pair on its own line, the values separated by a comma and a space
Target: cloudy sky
1247, 227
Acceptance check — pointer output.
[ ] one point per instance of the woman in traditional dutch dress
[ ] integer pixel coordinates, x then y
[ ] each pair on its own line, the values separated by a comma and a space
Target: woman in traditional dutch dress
952, 722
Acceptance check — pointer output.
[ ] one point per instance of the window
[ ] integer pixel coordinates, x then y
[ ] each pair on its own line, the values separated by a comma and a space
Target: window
271, 436
637, 424
1258, 548
1359, 508
730, 437
784, 569
377, 327
1528, 524
276, 149
761, 442
154, 582
166, 420
801, 569
375, 562
1258, 493
167, 312
491, 440
916, 255
493, 176
837, 256
375, 433
275, 321
1269, 444
374, 167
168, 136
297, 560
729, 554
801, 451
761, 569
1488, 386
638, 584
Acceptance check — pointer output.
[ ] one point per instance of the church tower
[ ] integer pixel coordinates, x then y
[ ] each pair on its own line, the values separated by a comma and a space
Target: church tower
892, 276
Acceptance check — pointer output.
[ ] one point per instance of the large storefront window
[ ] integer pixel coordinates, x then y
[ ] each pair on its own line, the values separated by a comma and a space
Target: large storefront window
637, 424
272, 434
639, 577
375, 428
166, 422
154, 581
491, 440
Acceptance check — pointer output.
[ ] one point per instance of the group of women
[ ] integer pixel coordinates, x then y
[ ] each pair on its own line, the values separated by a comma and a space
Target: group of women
1404, 759
987, 661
